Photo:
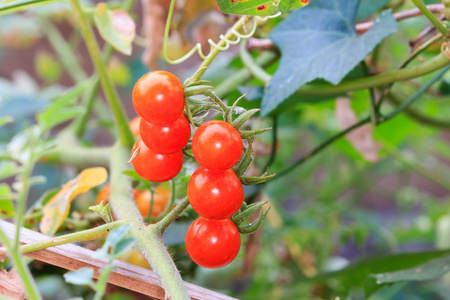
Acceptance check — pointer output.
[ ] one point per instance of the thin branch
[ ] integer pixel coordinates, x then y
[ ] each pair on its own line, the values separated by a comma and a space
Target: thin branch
425, 10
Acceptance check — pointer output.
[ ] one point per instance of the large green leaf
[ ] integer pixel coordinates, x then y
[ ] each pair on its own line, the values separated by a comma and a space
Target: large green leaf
368, 7
320, 41
116, 27
259, 7
427, 271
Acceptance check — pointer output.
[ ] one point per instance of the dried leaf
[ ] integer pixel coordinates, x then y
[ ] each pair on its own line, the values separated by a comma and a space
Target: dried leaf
154, 21
11, 285
57, 208
361, 138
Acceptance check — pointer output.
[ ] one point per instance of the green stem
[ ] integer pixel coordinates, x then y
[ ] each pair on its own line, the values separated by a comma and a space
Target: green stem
65, 53
174, 213
125, 135
243, 75
148, 239
80, 124
168, 206
418, 116
429, 66
427, 13
366, 120
81, 157
256, 70
31, 289
273, 152
215, 50
12, 6
96, 233
373, 105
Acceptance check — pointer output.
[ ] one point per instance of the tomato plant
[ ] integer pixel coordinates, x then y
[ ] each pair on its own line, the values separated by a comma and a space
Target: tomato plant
212, 243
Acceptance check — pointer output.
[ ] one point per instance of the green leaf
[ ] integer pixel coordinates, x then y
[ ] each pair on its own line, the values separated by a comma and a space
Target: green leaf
47, 67
6, 120
259, 7
123, 246
368, 7
427, 271
113, 239
60, 110
116, 27
320, 41
6, 205
8, 169
81, 276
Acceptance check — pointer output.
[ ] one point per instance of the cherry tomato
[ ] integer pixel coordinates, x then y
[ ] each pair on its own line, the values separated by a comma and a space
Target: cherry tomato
161, 196
158, 97
134, 126
166, 138
212, 243
156, 167
215, 194
217, 145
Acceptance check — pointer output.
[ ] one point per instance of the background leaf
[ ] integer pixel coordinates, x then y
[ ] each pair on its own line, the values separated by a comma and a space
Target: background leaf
116, 27
81, 276
320, 41
427, 271
258, 7
57, 209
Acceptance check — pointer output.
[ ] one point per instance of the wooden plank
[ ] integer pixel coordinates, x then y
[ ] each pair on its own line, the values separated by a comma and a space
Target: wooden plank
129, 276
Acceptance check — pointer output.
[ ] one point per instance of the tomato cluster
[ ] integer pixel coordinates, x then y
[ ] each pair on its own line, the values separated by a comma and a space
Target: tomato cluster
159, 101
216, 194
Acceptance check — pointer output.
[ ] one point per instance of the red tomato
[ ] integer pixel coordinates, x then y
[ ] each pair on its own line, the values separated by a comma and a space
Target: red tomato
212, 243
156, 167
215, 194
158, 97
166, 138
217, 145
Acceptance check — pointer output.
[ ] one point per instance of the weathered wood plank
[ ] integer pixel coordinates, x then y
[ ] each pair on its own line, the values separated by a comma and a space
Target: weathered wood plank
129, 276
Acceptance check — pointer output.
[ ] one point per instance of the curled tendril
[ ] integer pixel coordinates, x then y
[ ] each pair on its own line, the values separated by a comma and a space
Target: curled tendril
198, 47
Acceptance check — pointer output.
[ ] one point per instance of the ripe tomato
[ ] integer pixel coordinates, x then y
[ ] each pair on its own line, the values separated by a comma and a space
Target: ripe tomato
215, 194
212, 243
158, 97
156, 167
166, 138
134, 126
217, 145
161, 197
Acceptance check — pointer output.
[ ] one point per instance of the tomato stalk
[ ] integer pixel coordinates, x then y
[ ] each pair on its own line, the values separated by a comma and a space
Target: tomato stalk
125, 135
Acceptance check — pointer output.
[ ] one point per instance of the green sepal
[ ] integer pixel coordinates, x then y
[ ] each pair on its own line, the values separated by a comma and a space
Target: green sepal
200, 109
245, 160
205, 101
233, 107
200, 82
245, 134
198, 121
245, 212
196, 90
244, 117
255, 180
251, 228
103, 211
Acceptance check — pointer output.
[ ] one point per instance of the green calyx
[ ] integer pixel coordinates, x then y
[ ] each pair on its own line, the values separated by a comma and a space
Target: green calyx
246, 211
